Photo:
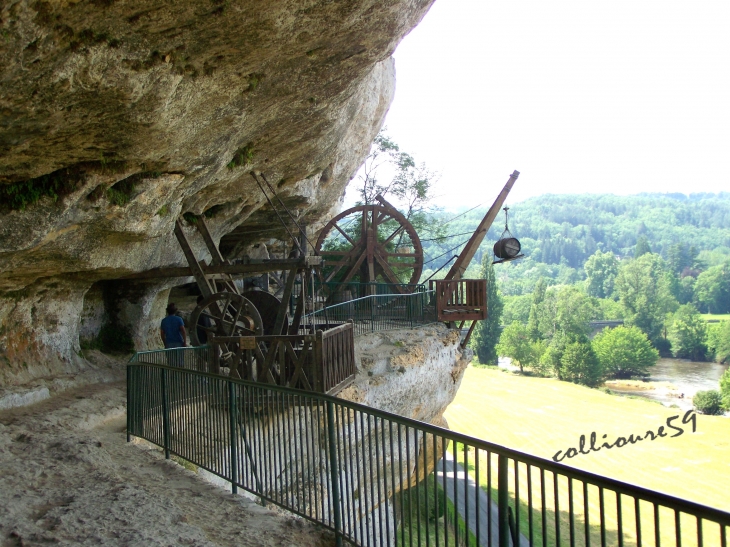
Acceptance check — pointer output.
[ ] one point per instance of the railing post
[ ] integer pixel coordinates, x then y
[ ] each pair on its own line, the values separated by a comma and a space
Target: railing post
372, 314
165, 417
318, 372
334, 475
503, 500
129, 413
234, 441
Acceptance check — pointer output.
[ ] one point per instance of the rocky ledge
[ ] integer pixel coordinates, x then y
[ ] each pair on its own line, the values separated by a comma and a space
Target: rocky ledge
119, 116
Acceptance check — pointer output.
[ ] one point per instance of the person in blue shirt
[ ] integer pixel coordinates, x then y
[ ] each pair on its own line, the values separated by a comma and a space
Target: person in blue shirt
172, 329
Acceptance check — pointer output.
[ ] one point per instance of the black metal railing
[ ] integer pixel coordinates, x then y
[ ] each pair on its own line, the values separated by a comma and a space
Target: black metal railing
380, 312
379, 479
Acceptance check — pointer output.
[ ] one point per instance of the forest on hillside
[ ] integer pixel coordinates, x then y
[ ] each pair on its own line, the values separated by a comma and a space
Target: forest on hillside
559, 233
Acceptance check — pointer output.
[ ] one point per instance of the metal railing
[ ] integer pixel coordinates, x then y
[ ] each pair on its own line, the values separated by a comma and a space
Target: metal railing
190, 357
379, 479
380, 312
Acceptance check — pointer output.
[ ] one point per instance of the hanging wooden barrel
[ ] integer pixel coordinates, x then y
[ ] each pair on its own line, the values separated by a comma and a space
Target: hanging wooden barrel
507, 248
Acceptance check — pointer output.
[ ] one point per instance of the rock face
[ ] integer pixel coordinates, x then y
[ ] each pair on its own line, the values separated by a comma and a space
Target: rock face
117, 116
411, 372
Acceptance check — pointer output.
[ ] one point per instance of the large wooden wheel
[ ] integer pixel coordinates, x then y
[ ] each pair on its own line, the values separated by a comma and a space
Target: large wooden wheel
226, 314
371, 244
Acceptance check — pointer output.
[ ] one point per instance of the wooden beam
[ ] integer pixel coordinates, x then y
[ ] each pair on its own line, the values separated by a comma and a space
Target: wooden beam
462, 263
264, 266
195, 269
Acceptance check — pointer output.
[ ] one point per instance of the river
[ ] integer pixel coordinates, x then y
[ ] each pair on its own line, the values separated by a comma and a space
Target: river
674, 381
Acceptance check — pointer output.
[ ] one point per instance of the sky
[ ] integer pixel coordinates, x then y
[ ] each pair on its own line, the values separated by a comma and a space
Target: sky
579, 96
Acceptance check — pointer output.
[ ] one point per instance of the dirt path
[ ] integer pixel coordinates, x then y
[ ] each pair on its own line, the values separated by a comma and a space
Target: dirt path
68, 477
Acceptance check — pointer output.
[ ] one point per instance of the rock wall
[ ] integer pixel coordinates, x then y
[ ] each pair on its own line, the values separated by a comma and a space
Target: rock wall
117, 116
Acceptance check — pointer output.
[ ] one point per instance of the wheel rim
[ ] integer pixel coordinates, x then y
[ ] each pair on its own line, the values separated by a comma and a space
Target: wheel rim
369, 244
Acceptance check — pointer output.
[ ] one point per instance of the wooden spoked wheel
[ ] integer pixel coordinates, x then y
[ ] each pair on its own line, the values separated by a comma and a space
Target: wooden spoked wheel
371, 244
226, 314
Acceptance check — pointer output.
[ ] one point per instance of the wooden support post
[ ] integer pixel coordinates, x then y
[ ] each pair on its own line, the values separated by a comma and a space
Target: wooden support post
215, 255
195, 268
281, 314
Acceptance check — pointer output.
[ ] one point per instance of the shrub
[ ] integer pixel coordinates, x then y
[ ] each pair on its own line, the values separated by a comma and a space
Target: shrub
708, 402
725, 389
625, 352
580, 365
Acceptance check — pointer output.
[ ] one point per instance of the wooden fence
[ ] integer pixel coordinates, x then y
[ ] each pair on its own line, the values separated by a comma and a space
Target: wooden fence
461, 300
323, 362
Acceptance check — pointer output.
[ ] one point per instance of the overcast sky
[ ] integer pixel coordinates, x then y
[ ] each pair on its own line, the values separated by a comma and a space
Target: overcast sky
579, 96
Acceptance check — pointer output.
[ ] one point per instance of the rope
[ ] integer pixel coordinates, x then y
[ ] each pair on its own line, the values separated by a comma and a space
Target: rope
296, 241
447, 252
446, 237
304, 233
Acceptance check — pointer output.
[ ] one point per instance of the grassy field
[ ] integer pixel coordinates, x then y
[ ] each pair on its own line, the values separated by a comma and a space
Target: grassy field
716, 316
542, 416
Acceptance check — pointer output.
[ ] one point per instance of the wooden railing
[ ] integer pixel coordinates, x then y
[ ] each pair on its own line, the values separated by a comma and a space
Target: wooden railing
323, 362
461, 300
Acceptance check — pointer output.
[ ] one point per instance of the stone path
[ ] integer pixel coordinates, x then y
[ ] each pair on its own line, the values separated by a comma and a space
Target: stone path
68, 477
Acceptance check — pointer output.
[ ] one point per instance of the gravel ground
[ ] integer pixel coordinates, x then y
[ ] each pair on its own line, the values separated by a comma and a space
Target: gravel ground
68, 477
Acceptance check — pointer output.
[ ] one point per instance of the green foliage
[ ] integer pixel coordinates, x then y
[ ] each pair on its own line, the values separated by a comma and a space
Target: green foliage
566, 310
712, 289
688, 334
242, 156
516, 308
718, 341
560, 232
253, 81
642, 247
624, 352
515, 343
580, 365
190, 218
708, 402
163, 211
643, 289
19, 195
601, 271
725, 389
486, 334
609, 309
538, 296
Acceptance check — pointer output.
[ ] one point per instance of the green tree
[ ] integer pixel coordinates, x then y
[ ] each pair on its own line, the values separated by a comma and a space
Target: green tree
643, 290
486, 333
712, 289
601, 271
579, 364
566, 310
538, 295
642, 247
515, 343
516, 308
624, 352
718, 341
688, 334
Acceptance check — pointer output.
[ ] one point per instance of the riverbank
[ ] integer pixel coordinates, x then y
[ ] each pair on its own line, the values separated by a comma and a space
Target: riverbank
542, 416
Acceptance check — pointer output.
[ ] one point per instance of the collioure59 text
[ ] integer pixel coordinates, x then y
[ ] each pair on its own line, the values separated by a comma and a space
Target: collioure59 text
688, 417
